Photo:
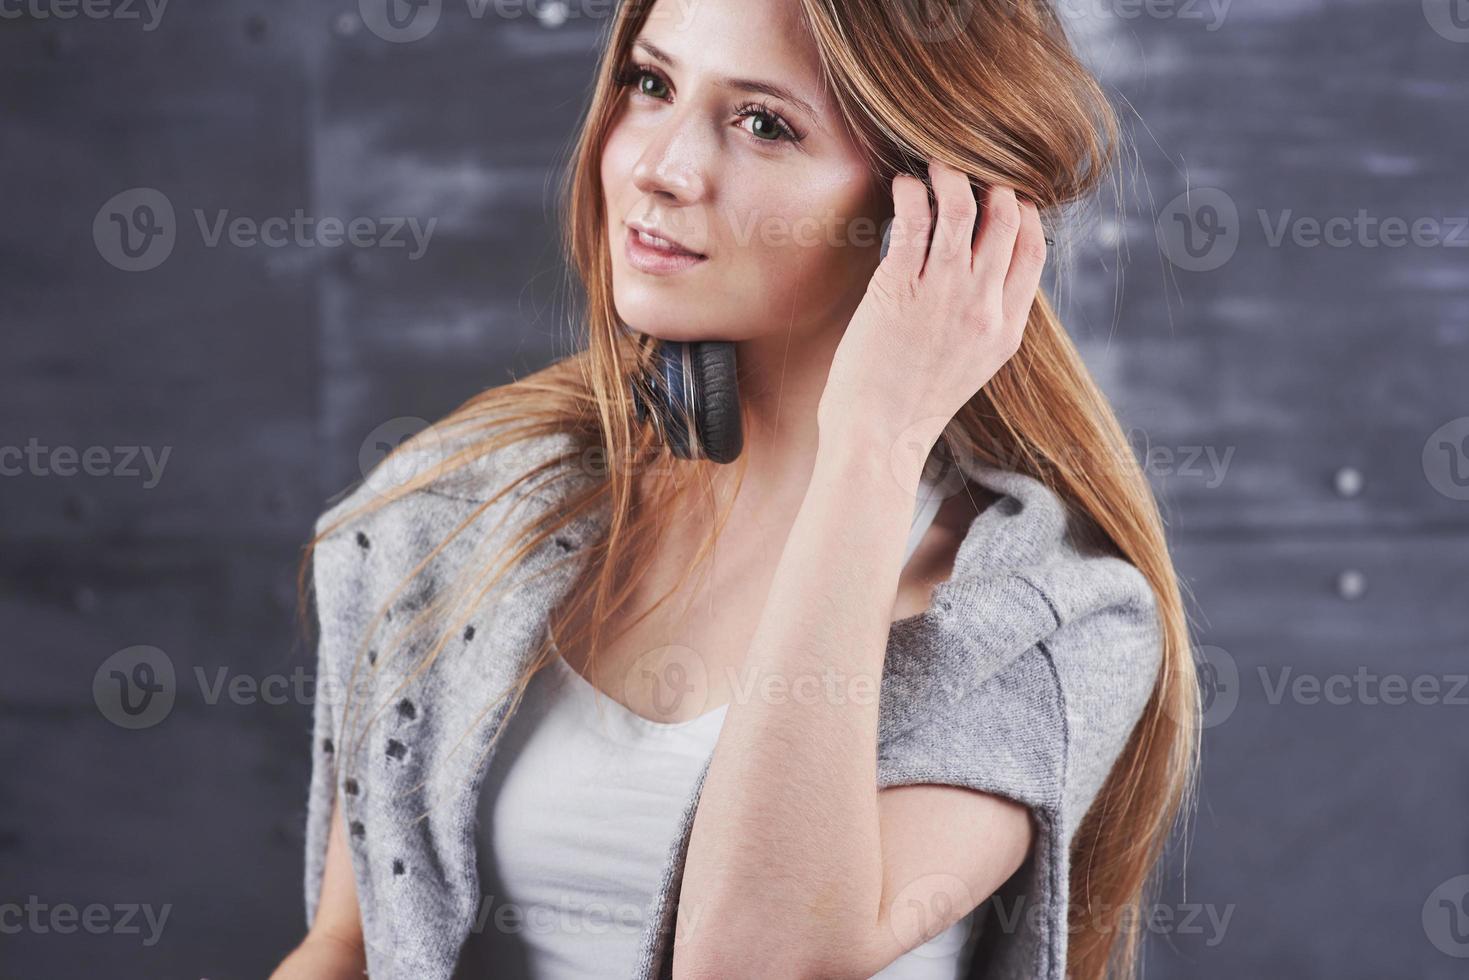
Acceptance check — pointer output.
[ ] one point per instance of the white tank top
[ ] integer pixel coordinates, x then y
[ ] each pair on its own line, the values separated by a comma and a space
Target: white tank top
577, 813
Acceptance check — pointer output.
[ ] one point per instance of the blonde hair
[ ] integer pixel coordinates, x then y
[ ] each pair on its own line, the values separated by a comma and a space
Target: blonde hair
1004, 98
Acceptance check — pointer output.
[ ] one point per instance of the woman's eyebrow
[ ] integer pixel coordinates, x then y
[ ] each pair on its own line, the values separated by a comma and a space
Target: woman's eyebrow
742, 84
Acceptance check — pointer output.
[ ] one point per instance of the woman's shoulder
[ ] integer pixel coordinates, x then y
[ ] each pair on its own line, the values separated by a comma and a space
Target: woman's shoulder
399, 525
1025, 531
1045, 632
436, 472
1034, 575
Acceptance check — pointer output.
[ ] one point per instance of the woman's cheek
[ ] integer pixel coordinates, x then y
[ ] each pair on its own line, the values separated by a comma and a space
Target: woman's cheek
619, 156
774, 284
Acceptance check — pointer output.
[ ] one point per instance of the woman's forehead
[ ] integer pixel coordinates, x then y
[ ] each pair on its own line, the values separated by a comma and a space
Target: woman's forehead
760, 39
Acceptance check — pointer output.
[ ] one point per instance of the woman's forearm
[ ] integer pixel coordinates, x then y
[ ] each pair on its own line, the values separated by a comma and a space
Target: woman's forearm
323, 957
784, 870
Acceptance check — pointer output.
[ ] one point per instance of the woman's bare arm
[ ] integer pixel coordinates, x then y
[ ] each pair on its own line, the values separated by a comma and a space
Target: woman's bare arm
795, 868
332, 949
797, 865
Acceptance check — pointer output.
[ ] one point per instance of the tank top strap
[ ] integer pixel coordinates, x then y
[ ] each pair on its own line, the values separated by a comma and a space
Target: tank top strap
929, 501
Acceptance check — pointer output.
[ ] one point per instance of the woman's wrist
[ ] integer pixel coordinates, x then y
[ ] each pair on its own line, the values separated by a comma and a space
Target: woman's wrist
863, 453
866, 449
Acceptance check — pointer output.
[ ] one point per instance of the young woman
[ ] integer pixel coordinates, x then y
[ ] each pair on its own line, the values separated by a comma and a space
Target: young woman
905, 691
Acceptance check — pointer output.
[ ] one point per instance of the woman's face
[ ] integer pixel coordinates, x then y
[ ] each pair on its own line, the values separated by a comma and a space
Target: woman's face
765, 185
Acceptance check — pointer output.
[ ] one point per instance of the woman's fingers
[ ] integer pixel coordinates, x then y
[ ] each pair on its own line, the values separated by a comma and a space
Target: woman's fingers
997, 235
1004, 261
910, 228
1023, 277
957, 210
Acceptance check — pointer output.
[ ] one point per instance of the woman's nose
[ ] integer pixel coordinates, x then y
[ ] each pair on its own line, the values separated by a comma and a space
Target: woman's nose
674, 161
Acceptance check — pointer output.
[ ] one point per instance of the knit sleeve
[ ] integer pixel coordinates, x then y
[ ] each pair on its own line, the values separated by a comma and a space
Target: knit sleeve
1030, 694
345, 591
325, 739
970, 697
342, 594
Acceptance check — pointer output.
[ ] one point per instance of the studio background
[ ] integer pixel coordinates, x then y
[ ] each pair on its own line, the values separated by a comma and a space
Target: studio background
176, 409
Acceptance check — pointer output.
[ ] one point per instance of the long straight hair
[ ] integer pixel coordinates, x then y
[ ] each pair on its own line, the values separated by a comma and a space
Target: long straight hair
997, 92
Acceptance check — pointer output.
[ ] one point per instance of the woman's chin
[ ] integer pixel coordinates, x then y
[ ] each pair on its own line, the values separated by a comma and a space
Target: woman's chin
674, 335
666, 321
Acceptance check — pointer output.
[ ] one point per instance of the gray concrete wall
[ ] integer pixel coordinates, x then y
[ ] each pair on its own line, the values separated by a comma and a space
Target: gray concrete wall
1302, 406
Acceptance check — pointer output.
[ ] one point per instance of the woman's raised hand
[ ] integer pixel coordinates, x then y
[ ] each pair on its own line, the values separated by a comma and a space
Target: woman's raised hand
939, 318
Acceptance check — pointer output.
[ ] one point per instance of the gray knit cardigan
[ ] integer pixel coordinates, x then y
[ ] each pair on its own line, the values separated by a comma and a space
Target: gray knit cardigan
1024, 678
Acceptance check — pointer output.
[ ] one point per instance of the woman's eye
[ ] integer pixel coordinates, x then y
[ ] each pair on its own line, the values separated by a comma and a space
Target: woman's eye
643, 81
769, 127
649, 84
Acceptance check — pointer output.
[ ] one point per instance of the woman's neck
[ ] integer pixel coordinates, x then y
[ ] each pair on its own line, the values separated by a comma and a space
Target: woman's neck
781, 378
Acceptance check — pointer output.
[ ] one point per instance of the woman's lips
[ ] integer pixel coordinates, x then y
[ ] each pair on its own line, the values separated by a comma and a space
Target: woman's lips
654, 260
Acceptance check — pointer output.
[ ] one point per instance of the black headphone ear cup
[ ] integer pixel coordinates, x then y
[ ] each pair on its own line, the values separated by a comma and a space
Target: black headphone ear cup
720, 428
640, 407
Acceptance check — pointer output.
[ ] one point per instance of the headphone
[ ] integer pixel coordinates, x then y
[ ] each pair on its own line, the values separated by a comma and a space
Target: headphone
691, 396
690, 393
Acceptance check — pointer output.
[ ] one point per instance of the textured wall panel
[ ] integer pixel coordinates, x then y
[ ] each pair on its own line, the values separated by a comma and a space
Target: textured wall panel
1297, 404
